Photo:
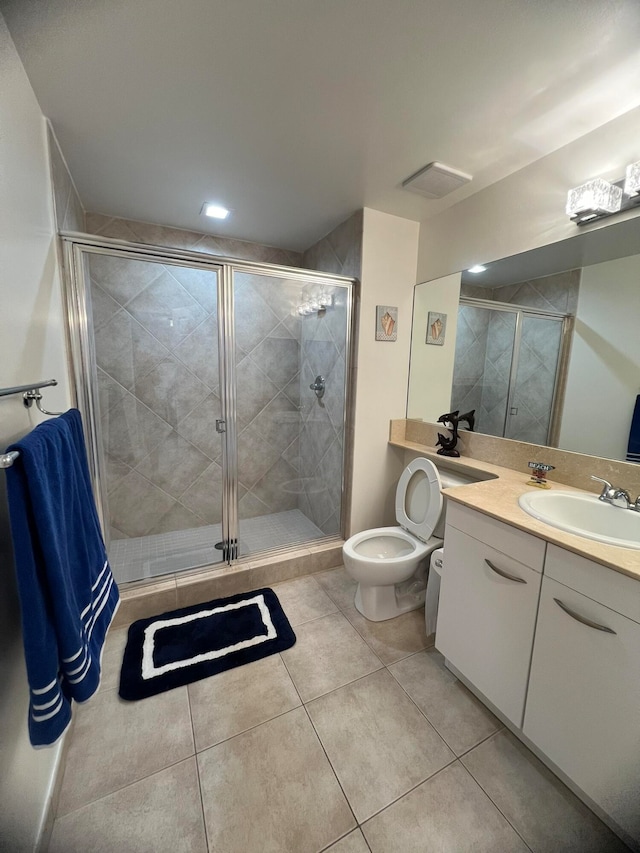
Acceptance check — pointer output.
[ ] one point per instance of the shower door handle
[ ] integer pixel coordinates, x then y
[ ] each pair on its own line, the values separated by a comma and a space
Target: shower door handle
318, 386
221, 425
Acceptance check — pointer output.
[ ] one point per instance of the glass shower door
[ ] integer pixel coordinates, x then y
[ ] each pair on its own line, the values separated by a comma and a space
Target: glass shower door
534, 385
290, 438
482, 369
156, 356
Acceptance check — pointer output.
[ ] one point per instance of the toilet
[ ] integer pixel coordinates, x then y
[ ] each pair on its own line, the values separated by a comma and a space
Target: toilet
391, 563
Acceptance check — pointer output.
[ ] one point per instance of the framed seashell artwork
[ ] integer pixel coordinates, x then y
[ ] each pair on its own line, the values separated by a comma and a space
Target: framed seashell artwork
436, 326
386, 323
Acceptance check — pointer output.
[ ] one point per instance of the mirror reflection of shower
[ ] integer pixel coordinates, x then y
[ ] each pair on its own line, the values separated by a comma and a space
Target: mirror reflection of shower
508, 365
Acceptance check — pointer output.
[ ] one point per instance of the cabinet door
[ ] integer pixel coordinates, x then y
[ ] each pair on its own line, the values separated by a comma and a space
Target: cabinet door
583, 705
486, 619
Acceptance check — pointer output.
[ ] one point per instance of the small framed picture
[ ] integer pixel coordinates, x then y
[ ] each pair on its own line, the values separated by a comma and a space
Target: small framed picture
386, 323
436, 325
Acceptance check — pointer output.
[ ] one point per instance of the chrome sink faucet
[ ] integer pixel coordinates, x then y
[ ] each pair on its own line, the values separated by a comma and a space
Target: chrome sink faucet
616, 497
607, 489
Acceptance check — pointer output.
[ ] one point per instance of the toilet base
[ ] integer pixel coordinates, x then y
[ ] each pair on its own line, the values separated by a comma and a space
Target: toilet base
379, 603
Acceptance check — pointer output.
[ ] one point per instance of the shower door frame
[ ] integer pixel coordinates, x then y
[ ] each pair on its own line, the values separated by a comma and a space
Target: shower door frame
82, 357
521, 311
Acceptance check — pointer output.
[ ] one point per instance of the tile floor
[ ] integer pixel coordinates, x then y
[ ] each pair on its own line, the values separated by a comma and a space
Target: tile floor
356, 739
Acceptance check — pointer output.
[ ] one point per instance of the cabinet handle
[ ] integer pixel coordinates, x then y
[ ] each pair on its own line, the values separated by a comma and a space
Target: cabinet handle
504, 574
582, 619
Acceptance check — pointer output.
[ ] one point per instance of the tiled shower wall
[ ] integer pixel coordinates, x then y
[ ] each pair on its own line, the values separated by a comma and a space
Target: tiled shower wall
156, 352
177, 238
156, 349
469, 364
290, 445
483, 355
156, 343
323, 352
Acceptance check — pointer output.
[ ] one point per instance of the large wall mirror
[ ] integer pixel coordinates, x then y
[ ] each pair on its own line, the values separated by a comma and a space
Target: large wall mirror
544, 345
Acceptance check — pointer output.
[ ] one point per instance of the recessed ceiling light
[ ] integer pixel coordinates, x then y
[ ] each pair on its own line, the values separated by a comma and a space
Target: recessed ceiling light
217, 211
476, 268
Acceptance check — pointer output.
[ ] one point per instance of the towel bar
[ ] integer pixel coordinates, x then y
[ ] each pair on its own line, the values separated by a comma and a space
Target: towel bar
7, 459
29, 394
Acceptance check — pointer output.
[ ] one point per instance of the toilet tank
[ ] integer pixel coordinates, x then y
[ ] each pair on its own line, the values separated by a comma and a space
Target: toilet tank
449, 479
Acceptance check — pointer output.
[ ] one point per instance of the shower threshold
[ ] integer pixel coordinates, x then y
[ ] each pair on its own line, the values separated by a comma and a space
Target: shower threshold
164, 553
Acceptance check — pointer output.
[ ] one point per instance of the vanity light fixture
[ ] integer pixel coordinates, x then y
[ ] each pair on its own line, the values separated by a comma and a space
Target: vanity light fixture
476, 268
632, 179
314, 304
216, 211
598, 198
594, 199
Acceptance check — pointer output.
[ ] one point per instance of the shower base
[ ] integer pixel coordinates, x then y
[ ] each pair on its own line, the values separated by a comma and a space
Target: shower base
165, 553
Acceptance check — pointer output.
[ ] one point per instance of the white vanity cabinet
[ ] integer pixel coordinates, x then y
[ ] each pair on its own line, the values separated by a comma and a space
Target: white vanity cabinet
583, 702
488, 605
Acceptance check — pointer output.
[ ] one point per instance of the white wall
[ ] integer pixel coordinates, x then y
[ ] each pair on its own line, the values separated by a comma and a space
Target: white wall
605, 355
526, 210
431, 375
31, 348
389, 255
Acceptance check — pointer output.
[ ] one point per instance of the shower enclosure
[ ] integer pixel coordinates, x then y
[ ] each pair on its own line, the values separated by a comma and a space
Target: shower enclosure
509, 363
193, 375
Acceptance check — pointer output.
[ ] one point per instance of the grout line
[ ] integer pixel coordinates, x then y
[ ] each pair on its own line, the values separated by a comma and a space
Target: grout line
195, 756
495, 805
333, 770
126, 785
500, 729
409, 791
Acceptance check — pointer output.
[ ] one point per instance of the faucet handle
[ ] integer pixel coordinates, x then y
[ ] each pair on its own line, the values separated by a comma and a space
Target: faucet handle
623, 496
607, 488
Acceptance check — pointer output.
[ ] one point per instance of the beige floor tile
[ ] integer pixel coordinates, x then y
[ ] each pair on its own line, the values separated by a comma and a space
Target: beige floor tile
448, 813
338, 586
112, 658
234, 701
543, 810
115, 743
161, 813
271, 790
328, 653
303, 600
395, 638
378, 742
455, 713
352, 843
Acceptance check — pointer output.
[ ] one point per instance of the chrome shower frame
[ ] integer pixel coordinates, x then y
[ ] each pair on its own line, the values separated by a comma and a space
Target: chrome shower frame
83, 368
521, 311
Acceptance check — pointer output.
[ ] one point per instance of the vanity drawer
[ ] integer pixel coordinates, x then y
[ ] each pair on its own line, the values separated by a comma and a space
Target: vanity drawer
613, 589
529, 549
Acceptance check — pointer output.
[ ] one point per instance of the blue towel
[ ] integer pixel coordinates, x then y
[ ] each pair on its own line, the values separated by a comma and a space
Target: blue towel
67, 592
633, 448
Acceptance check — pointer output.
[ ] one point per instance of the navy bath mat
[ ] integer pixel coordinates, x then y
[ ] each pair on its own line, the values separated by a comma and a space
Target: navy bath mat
195, 642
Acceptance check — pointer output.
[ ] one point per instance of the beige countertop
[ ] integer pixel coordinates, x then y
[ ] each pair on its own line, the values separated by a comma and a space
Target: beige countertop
497, 495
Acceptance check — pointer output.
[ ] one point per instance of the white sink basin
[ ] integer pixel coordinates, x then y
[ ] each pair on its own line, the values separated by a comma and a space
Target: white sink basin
585, 515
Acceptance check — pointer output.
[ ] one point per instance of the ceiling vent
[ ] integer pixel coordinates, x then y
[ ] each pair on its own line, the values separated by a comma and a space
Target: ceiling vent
436, 180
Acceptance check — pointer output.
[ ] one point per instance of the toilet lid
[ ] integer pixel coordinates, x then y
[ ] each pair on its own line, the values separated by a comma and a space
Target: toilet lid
418, 498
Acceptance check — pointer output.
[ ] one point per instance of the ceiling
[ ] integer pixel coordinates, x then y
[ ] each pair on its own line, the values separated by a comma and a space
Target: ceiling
295, 113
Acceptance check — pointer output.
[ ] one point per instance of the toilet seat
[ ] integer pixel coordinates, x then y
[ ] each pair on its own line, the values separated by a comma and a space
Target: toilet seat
418, 498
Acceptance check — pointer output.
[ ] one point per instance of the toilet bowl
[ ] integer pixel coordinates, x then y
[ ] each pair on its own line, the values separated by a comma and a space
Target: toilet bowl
391, 563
